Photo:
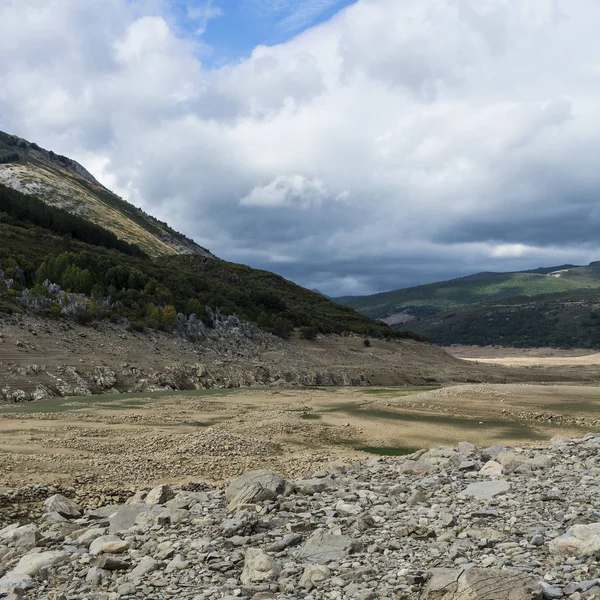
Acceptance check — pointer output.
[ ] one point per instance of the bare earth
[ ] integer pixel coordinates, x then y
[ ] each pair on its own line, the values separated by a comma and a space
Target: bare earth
212, 435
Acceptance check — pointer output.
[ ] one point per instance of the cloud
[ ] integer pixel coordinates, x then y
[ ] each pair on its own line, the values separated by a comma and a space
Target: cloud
397, 143
289, 191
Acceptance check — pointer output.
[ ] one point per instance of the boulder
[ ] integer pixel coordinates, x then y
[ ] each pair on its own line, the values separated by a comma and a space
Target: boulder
21, 536
146, 566
63, 506
326, 547
255, 486
15, 582
480, 584
160, 494
484, 490
579, 540
491, 469
259, 567
96, 547
242, 523
87, 537
125, 516
32, 564
312, 575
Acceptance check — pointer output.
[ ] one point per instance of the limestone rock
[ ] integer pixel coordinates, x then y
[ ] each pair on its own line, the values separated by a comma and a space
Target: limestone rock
255, 486
312, 575
485, 490
259, 567
159, 495
32, 564
146, 565
63, 506
327, 547
480, 584
579, 540
243, 523
96, 547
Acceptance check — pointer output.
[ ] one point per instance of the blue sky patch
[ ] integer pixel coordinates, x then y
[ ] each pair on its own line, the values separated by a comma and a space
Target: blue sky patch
231, 29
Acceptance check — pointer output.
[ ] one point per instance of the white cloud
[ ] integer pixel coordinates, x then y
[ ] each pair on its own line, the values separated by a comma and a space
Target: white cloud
292, 191
448, 135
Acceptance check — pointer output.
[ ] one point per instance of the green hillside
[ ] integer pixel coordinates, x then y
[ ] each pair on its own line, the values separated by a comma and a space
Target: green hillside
431, 299
97, 275
565, 320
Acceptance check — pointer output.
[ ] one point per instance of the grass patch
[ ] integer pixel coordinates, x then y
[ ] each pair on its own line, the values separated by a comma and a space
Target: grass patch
115, 401
517, 431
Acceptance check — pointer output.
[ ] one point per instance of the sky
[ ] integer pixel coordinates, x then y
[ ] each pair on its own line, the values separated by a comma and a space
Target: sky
351, 146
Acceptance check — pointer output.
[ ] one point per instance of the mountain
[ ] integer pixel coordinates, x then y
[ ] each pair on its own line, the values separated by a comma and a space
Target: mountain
63, 183
563, 320
403, 305
549, 306
72, 249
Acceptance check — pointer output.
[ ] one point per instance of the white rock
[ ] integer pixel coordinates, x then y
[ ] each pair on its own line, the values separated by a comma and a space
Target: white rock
63, 506
313, 574
159, 495
484, 490
259, 567
579, 540
96, 547
32, 564
491, 469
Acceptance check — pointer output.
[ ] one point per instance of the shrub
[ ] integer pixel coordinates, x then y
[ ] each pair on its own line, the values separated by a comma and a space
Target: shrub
308, 333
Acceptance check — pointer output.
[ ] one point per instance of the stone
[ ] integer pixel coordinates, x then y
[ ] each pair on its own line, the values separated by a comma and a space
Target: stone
32, 564
87, 537
579, 540
550, 592
480, 584
242, 523
159, 495
115, 547
327, 547
125, 516
491, 469
16, 582
63, 506
484, 490
95, 576
16, 535
96, 547
255, 486
146, 566
259, 567
308, 487
313, 574
466, 448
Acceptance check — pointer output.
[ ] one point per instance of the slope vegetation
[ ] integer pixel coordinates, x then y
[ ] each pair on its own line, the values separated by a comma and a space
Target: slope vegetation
427, 300
53, 263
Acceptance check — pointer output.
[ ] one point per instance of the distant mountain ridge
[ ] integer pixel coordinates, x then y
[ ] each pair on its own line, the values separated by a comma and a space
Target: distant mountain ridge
547, 306
62, 182
432, 298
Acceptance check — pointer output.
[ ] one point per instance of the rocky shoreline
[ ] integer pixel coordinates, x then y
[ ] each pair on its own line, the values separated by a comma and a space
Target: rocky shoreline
462, 523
